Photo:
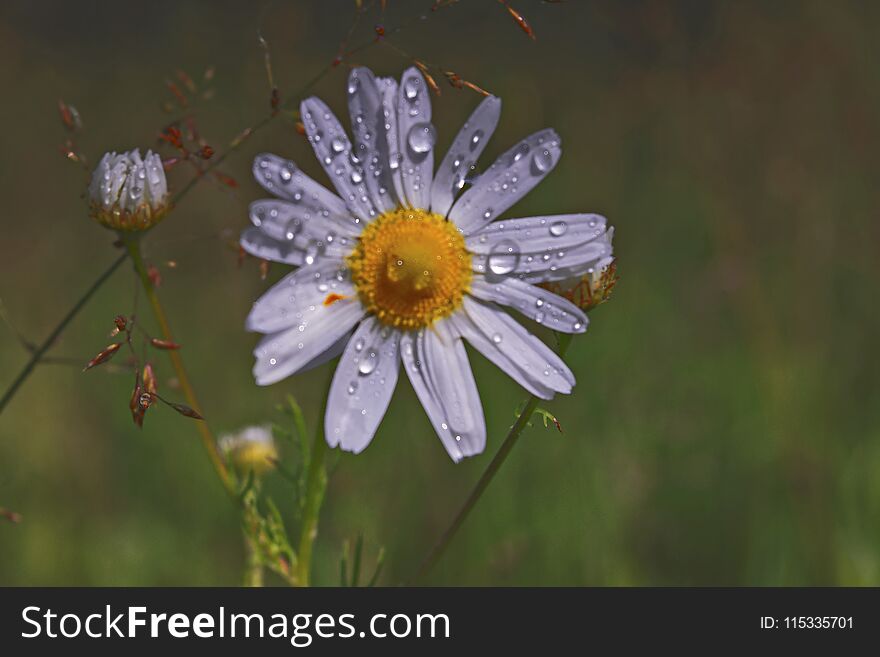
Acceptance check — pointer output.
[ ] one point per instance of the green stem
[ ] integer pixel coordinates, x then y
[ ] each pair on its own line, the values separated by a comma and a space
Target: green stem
489, 473
132, 244
48, 342
316, 483
253, 571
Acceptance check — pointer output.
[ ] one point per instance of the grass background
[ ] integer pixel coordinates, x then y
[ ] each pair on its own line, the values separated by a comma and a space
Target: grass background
724, 430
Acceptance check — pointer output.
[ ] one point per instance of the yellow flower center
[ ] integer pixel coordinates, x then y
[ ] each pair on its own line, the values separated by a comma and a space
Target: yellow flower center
410, 268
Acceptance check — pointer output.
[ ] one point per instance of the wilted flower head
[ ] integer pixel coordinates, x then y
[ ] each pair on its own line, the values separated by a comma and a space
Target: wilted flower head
127, 192
591, 288
252, 448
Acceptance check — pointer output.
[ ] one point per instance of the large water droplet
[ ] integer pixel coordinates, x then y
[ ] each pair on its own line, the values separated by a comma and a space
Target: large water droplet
411, 88
542, 160
504, 257
368, 363
558, 228
338, 145
422, 137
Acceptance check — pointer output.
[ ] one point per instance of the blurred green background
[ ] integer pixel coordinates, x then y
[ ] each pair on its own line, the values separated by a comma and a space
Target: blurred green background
725, 426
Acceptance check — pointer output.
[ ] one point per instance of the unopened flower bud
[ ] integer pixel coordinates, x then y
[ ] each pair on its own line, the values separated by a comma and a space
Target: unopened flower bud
129, 193
252, 448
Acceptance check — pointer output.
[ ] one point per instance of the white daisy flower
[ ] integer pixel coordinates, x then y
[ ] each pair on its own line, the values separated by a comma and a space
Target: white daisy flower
127, 192
401, 267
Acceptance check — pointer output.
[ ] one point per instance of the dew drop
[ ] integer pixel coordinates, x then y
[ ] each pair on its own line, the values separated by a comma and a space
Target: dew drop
542, 161
558, 228
475, 138
368, 363
504, 257
421, 137
292, 228
337, 145
521, 151
411, 88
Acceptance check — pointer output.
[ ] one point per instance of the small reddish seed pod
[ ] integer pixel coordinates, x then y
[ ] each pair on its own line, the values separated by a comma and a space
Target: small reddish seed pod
164, 344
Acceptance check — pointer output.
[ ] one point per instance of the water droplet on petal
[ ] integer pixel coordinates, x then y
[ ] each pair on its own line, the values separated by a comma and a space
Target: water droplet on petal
558, 228
519, 152
338, 145
504, 257
411, 88
475, 138
292, 228
422, 137
542, 161
368, 363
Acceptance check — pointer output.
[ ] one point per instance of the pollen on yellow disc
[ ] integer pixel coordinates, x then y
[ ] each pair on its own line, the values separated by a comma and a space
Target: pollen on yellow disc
410, 268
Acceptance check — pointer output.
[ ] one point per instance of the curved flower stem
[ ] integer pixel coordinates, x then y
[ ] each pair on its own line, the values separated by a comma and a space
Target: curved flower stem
132, 244
316, 483
489, 473
48, 342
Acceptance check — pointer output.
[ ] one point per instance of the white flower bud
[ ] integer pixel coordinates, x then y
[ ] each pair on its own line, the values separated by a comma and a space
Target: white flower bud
127, 192
252, 448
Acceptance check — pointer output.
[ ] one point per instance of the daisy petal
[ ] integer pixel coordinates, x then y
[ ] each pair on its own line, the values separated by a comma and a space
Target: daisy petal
335, 350
333, 150
283, 179
417, 137
537, 364
287, 222
463, 154
437, 366
370, 136
490, 346
509, 178
556, 265
284, 353
299, 295
538, 235
537, 304
260, 245
362, 386
388, 89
